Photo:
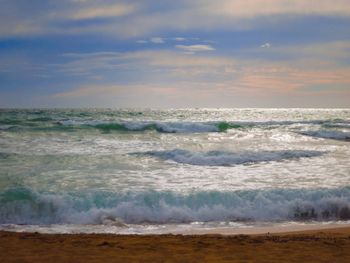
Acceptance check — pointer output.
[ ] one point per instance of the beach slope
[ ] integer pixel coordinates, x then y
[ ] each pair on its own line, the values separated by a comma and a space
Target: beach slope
330, 245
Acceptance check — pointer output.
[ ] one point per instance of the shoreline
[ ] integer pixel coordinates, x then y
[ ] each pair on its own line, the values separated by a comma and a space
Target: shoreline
261, 230
316, 245
177, 229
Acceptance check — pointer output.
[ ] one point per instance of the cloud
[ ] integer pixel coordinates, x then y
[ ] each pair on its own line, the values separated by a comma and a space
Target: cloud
195, 48
89, 63
331, 51
179, 38
170, 66
266, 45
210, 74
316, 56
115, 10
284, 78
157, 40
170, 60
144, 18
87, 91
107, 90
24, 18
254, 8
274, 86
143, 95
232, 15
163, 66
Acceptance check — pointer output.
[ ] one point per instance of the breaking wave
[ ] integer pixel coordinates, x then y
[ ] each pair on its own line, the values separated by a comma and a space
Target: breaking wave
221, 158
327, 134
24, 206
83, 123
162, 127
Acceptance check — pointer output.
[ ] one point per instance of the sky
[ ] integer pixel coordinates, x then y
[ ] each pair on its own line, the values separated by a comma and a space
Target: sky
175, 54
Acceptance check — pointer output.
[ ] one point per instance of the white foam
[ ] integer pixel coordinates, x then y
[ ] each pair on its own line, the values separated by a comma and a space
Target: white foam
169, 207
328, 134
219, 158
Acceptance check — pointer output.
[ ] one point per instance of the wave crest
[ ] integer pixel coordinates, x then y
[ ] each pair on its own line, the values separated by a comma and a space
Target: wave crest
220, 158
161, 127
326, 134
23, 206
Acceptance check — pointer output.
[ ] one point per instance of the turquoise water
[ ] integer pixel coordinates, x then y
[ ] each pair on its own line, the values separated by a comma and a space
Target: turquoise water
133, 168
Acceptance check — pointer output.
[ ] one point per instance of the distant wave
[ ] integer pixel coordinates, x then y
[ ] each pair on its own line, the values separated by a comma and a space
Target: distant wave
106, 127
162, 127
45, 123
24, 206
328, 134
220, 158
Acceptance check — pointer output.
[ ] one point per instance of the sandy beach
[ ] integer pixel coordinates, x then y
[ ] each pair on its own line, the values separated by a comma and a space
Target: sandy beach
323, 245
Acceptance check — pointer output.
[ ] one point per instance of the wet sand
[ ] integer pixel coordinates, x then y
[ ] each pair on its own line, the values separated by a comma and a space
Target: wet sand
323, 245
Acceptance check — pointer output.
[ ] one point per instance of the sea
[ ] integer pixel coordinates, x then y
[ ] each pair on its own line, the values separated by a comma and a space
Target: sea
141, 171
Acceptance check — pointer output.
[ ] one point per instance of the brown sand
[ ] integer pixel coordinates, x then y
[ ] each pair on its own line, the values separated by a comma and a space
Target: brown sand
331, 245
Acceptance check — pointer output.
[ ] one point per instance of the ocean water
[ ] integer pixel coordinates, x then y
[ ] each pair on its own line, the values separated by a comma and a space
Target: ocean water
143, 171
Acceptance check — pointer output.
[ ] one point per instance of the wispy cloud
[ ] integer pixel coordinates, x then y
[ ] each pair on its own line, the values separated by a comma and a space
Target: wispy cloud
179, 39
108, 90
171, 60
331, 50
266, 45
89, 63
288, 84
158, 65
245, 72
254, 8
195, 48
141, 19
114, 10
164, 66
135, 49
293, 82
88, 91
157, 40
